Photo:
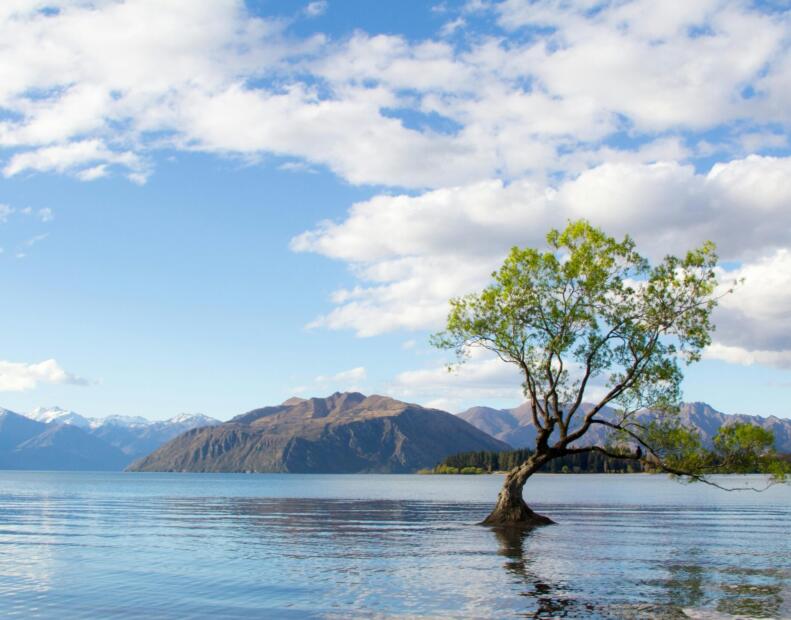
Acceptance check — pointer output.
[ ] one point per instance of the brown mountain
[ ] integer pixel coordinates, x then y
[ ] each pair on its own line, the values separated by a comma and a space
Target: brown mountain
515, 426
343, 433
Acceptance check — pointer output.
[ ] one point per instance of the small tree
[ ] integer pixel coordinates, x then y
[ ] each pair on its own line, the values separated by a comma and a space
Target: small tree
592, 311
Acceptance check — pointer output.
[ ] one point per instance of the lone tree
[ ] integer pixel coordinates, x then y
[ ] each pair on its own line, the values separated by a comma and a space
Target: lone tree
589, 312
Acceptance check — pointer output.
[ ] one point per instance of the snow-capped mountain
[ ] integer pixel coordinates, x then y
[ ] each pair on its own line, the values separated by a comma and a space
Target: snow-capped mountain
191, 420
94, 443
126, 421
56, 415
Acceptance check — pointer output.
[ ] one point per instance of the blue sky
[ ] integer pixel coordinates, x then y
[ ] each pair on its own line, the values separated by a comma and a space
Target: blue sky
214, 208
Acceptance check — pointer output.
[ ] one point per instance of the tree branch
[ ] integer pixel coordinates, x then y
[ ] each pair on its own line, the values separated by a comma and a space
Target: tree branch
658, 462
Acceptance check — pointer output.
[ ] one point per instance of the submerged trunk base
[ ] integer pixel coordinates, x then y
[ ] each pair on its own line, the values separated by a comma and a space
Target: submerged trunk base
511, 510
516, 516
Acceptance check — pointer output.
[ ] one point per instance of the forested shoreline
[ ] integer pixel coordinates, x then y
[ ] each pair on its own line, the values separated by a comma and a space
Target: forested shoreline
584, 463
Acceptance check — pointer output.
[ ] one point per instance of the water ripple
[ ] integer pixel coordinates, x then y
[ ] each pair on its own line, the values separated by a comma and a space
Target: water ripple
121, 546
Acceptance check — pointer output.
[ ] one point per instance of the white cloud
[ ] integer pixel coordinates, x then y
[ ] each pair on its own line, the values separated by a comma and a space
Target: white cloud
297, 166
17, 377
94, 172
114, 73
34, 240
45, 214
482, 379
755, 141
5, 211
137, 75
350, 380
449, 28
746, 357
73, 156
412, 253
314, 9
599, 113
661, 64
354, 374
756, 315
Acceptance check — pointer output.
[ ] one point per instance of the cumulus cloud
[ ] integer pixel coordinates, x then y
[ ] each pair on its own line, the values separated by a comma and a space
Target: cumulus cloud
411, 253
748, 357
756, 315
344, 381
316, 8
78, 157
609, 111
682, 62
92, 87
483, 379
18, 377
92, 81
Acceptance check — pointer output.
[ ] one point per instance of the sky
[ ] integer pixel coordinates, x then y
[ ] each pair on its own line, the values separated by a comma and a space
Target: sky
213, 206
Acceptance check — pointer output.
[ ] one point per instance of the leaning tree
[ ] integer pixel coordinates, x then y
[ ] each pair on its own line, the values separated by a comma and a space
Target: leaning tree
599, 336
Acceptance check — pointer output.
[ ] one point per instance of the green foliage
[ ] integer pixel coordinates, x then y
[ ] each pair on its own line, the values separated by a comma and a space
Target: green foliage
736, 448
677, 446
748, 448
443, 468
585, 462
715, 461
594, 302
590, 308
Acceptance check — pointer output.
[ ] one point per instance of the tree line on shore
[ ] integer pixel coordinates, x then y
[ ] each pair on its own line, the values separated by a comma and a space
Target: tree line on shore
484, 462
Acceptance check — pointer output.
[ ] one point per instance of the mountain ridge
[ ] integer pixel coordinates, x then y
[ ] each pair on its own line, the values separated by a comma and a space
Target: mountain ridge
515, 426
371, 433
59, 415
342, 433
59, 439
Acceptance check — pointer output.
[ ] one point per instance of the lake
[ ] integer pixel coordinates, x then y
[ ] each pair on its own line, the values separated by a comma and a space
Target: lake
122, 545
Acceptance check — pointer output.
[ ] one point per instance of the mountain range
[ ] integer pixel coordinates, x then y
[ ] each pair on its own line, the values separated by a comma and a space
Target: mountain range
57, 439
515, 426
343, 433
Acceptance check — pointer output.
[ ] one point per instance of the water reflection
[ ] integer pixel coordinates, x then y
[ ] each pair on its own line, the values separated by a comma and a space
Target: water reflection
128, 552
733, 591
685, 582
546, 599
755, 593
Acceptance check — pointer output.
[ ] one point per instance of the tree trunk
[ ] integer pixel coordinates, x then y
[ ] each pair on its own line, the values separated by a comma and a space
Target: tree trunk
511, 510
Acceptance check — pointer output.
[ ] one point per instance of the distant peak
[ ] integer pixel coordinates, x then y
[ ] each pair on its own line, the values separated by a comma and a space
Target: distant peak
56, 415
190, 420
122, 420
294, 400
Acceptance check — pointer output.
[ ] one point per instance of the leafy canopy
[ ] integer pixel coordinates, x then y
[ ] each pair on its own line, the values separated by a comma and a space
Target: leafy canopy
591, 311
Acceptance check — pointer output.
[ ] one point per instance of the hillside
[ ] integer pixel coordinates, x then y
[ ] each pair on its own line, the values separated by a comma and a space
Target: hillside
343, 433
515, 426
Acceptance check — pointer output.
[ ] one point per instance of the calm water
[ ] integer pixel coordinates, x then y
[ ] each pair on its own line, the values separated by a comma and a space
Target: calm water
92, 545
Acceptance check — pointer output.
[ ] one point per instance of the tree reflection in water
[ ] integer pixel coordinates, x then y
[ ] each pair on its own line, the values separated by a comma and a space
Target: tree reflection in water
421, 556
546, 600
